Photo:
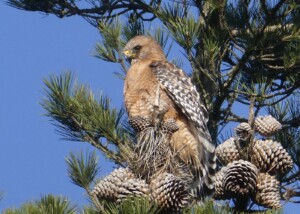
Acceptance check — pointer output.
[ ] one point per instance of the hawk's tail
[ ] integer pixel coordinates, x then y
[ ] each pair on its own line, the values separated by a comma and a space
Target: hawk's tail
203, 186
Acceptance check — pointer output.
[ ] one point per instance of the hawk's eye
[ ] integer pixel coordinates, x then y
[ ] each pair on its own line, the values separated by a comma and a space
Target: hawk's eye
138, 47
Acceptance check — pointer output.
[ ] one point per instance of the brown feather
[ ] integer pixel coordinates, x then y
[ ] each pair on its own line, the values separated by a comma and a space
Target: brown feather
140, 97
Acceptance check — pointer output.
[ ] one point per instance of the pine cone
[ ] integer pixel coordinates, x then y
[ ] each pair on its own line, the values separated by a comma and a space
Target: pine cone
267, 193
240, 179
243, 131
267, 125
139, 123
227, 152
219, 193
269, 156
133, 187
120, 184
168, 192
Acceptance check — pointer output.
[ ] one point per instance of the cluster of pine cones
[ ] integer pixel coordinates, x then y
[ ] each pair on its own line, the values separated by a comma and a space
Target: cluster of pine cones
151, 173
250, 170
251, 166
165, 189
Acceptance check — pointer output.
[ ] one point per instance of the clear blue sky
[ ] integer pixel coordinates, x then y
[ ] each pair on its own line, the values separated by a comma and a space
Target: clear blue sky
32, 46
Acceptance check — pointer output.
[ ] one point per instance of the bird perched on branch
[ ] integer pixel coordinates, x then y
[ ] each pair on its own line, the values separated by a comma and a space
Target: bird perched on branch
158, 93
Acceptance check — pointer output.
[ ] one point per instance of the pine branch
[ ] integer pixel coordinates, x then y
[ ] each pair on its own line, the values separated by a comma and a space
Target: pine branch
47, 204
266, 96
82, 170
133, 205
100, 11
209, 208
80, 117
268, 29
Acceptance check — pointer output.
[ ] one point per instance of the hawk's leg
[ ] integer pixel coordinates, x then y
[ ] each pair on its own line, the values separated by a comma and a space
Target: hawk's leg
167, 126
157, 117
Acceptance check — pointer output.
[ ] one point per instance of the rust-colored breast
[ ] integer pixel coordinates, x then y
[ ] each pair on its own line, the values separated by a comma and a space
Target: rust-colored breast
140, 92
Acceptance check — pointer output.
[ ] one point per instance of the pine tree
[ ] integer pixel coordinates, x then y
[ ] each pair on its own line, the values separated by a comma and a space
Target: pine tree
239, 53
47, 204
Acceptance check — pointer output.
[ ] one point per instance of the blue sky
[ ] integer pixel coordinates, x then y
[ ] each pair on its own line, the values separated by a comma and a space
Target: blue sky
33, 46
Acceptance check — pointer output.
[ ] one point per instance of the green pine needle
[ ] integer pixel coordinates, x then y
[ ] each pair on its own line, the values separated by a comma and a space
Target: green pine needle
109, 49
82, 169
48, 204
79, 116
132, 206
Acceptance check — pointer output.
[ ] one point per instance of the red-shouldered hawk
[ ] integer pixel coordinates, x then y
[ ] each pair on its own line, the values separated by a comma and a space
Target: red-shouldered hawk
153, 83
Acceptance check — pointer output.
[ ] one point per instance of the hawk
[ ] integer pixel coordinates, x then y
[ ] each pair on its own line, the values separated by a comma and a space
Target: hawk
152, 83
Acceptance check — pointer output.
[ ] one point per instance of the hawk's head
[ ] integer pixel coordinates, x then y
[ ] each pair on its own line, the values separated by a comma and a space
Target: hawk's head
143, 47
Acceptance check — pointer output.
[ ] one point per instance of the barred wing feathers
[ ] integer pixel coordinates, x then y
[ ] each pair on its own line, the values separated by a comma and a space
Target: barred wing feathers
184, 94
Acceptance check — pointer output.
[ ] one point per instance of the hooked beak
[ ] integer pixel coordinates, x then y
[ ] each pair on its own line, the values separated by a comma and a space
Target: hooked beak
129, 53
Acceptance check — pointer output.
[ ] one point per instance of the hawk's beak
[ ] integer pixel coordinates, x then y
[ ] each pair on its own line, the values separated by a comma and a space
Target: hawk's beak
129, 53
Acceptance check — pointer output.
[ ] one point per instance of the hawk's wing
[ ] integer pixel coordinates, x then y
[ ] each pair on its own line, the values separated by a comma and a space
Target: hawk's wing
184, 94
180, 88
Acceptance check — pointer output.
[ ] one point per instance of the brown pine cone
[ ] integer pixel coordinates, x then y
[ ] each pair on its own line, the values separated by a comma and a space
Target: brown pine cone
269, 156
219, 193
267, 193
227, 152
169, 192
243, 132
240, 179
120, 184
267, 125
